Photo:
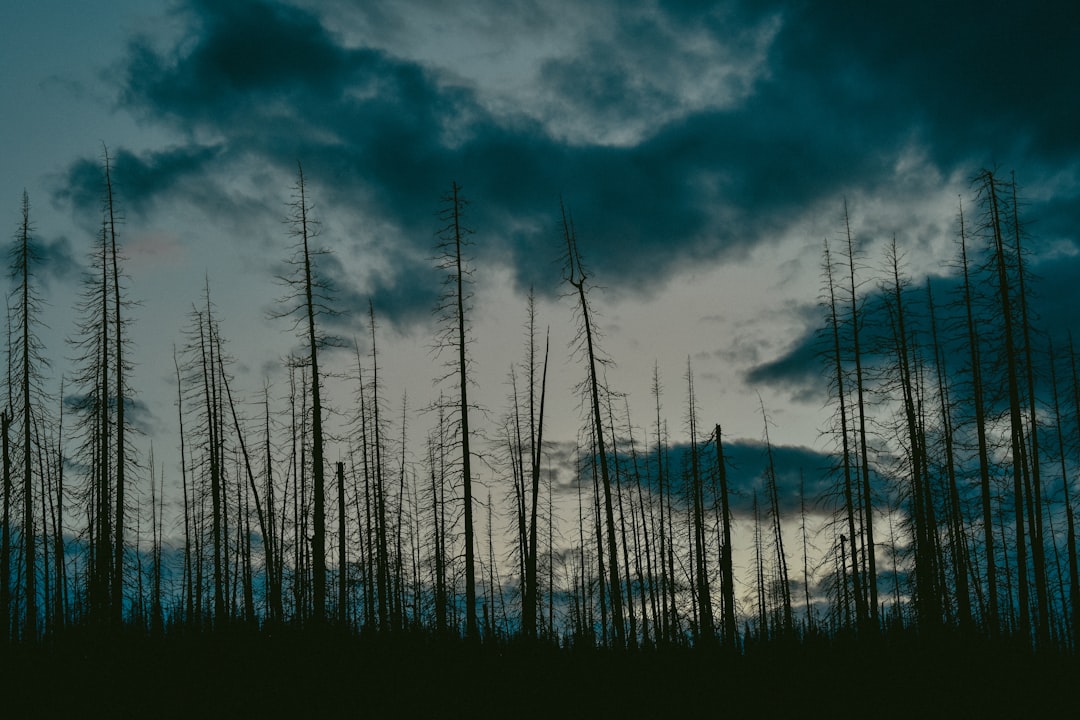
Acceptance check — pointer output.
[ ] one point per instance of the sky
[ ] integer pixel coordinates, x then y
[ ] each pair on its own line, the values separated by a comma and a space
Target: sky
704, 149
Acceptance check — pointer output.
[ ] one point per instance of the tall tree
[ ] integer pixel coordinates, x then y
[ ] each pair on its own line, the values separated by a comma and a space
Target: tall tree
727, 573
5, 538
706, 633
991, 621
852, 511
1035, 504
120, 379
576, 277
855, 319
536, 441
906, 377
30, 362
382, 559
308, 299
993, 226
343, 568
957, 533
783, 580
1073, 609
453, 240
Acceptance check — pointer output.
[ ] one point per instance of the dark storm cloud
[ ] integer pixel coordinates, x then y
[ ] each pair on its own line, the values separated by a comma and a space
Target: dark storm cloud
980, 80
798, 369
245, 53
408, 296
58, 259
746, 462
1054, 288
1050, 283
138, 180
847, 87
137, 412
50, 260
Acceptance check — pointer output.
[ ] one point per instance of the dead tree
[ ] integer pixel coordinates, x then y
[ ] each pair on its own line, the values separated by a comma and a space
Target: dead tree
576, 277
454, 336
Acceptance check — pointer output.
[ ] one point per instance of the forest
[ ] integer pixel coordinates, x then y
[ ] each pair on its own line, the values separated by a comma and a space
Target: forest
946, 533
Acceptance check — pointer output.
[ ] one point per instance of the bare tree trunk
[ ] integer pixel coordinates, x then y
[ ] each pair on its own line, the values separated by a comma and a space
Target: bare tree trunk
188, 520
864, 455
852, 512
536, 434
59, 545
1012, 377
805, 554
992, 621
5, 532
270, 538
576, 277
343, 568
632, 630
956, 520
706, 632
646, 586
29, 528
927, 592
727, 574
778, 537
466, 453
1038, 545
318, 538
382, 559
759, 572
1074, 568
666, 633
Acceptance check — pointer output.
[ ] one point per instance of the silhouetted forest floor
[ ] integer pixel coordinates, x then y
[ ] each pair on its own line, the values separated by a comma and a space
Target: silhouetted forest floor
298, 675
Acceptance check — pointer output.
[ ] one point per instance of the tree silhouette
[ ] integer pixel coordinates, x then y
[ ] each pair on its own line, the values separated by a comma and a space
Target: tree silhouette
30, 362
574, 274
307, 300
536, 442
991, 620
855, 323
453, 240
852, 512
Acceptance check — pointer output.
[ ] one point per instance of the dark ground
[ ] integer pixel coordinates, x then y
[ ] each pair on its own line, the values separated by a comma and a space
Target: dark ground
302, 675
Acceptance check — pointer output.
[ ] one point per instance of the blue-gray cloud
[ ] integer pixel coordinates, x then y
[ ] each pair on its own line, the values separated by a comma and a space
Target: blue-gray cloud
846, 88
806, 371
138, 180
798, 470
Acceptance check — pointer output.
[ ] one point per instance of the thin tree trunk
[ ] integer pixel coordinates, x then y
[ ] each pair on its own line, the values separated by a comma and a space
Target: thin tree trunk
5, 532
343, 568
992, 620
706, 633
727, 573
577, 279
1016, 422
850, 508
956, 520
1074, 570
1038, 545
864, 455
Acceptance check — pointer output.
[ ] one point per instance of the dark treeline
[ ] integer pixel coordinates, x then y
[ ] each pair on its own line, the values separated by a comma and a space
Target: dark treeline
948, 510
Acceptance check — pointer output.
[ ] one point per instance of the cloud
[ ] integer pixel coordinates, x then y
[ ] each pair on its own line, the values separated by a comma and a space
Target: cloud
138, 180
800, 368
746, 462
805, 104
136, 412
53, 260
642, 66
